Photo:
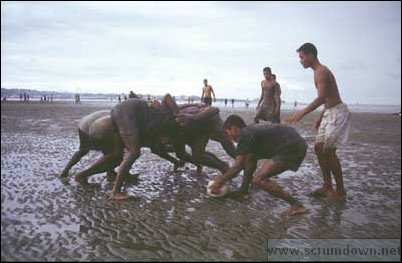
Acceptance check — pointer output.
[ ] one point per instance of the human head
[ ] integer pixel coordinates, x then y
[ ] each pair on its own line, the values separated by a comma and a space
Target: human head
205, 81
233, 126
267, 73
307, 54
273, 76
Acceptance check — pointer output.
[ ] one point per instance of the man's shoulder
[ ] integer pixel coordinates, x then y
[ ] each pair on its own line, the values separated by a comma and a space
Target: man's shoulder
323, 70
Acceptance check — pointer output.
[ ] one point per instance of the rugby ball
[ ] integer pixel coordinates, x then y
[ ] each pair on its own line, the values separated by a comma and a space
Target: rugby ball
223, 191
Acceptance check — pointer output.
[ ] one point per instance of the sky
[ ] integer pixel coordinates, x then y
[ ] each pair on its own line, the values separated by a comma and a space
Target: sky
160, 47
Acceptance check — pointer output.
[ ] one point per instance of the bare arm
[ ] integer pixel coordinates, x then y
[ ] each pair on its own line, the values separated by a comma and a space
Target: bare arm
213, 93
188, 105
277, 98
202, 114
262, 96
232, 172
202, 95
317, 122
322, 90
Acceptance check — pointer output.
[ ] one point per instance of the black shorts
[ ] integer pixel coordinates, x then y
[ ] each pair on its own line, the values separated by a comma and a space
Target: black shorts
207, 101
292, 155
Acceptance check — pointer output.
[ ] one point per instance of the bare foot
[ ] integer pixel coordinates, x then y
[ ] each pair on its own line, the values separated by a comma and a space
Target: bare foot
336, 197
297, 209
120, 196
82, 180
321, 192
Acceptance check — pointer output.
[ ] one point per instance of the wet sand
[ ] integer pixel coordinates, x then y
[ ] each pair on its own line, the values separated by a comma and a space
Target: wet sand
170, 217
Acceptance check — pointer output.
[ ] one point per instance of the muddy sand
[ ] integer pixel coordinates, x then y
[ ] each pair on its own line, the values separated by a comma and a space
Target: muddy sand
170, 217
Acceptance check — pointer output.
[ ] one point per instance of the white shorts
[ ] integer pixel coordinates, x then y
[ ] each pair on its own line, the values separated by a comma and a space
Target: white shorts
335, 126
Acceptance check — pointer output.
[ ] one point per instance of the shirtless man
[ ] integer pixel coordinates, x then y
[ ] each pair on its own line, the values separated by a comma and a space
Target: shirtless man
139, 125
206, 93
96, 132
332, 124
270, 98
200, 123
281, 145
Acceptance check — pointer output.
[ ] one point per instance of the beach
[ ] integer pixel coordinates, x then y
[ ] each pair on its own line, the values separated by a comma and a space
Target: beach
170, 217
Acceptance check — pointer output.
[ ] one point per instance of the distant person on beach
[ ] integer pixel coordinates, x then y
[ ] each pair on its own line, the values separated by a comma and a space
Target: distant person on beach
119, 98
269, 103
233, 103
226, 102
281, 145
247, 102
295, 105
332, 124
206, 93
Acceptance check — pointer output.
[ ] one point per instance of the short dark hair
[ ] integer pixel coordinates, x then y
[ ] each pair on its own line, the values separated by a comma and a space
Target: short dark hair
274, 76
308, 48
267, 69
234, 120
206, 80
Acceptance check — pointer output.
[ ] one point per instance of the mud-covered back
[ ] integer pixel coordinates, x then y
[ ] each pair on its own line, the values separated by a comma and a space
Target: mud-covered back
86, 121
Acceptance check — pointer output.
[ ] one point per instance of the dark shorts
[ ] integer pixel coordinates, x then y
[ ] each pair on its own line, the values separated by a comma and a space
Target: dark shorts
207, 101
292, 155
266, 113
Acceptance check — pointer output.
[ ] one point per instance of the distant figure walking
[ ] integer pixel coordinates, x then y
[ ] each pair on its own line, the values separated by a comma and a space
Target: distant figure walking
232, 103
206, 93
226, 102
269, 104
77, 98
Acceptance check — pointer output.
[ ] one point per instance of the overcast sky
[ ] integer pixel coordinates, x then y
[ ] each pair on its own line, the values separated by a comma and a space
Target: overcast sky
159, 47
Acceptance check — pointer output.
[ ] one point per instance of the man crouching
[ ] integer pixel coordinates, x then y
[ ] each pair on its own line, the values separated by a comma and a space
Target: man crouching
282, 145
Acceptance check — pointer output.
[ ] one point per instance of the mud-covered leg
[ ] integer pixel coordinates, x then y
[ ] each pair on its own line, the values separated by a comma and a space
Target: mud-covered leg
74, 159
106, 163
198, 150
211, 160
250, 165
262, 180
162, 151
132, 142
